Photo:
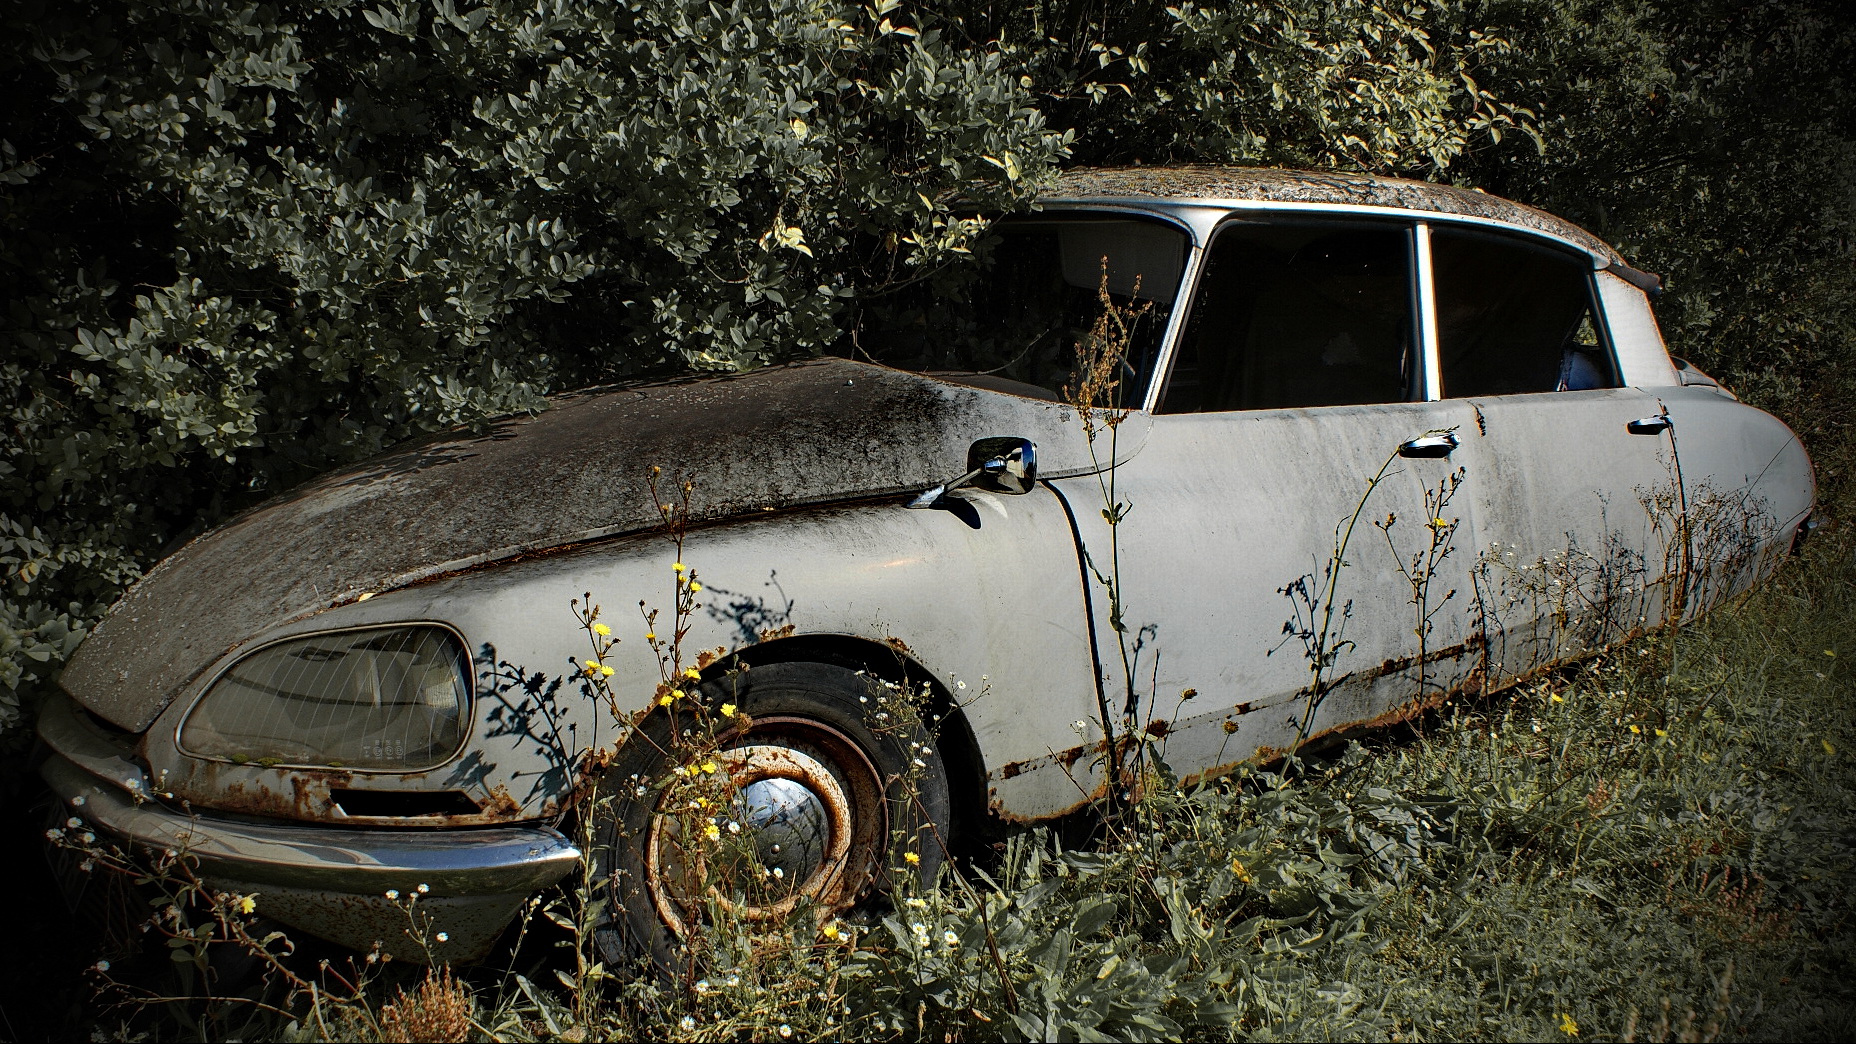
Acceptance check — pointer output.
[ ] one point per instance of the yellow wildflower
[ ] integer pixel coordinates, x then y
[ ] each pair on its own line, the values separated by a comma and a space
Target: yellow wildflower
1661, 733
711, 831
664, 700
678, 566
1635, 731
1568, 1026
708, 768
694, 587
650, 636
728, 710
676, 694
590, 668
602, 630
833, 932
1438, 523
911, 858
1556, 698
692, 673
605, 671
247, 904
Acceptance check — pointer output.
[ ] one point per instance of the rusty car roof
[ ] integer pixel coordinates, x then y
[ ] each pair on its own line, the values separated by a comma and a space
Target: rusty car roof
1238, 185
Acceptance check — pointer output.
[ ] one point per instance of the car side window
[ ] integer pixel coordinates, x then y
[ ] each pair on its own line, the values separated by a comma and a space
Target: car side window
1012, 321
1298, 313
1514, 316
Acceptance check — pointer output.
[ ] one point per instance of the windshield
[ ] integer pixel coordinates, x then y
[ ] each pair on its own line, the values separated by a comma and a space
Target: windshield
1043, 287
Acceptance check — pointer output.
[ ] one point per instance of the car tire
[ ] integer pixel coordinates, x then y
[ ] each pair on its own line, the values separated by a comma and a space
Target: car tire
834, 785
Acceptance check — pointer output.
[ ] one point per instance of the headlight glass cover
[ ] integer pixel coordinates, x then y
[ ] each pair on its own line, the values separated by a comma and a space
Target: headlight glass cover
383, 699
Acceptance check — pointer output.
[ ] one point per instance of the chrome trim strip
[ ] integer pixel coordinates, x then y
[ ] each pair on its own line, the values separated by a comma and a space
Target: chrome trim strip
1599, 261
1427, 316
1188, 280
1175, 326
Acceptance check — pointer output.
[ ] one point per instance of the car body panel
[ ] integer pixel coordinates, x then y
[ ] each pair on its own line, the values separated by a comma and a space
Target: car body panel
1748, 487
1223, 567
1567, 557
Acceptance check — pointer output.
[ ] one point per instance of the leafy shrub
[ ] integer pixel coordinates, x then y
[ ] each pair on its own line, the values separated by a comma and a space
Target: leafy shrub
256, 240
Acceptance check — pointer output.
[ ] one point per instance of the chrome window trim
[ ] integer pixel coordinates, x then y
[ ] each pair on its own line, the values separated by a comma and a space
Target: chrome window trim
1428, 350
1188, 279
467, 712
1163, 206
1594, 297
1419, 260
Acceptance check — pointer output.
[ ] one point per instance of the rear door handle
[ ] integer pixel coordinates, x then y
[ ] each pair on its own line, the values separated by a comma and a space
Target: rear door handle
1429, 446
1650, 425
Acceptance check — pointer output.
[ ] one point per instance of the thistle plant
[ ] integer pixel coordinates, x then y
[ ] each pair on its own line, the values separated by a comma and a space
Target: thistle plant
1420, 567
1101, 358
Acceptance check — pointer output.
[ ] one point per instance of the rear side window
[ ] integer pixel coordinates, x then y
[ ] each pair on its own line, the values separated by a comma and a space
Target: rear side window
1515, 316
1299, 313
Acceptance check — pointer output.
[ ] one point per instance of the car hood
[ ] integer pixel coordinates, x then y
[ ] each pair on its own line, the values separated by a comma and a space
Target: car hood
776, 438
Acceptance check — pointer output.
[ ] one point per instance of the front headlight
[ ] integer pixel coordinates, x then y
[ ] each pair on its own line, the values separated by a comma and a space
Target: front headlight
389, 699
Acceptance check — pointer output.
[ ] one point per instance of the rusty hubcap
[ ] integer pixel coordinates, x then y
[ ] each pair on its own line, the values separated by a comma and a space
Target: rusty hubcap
802, 821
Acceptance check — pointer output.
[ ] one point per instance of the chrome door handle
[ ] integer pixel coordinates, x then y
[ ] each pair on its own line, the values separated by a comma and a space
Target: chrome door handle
1650, 425
1429, 446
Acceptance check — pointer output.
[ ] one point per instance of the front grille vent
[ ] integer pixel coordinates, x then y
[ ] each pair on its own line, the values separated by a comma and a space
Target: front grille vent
403, 803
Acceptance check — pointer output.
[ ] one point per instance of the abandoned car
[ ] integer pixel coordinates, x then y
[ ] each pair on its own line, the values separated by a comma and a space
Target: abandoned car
1235, 458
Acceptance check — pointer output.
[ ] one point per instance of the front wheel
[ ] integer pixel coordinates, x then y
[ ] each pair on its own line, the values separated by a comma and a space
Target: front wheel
830, 786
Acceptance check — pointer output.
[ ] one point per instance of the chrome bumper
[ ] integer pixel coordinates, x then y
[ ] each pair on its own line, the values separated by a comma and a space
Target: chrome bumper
328, 881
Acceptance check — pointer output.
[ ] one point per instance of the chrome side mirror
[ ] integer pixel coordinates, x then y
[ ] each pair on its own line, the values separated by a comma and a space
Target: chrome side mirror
1003, 464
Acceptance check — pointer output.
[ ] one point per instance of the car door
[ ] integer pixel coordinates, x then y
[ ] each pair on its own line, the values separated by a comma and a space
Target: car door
1279, 568
1572, 481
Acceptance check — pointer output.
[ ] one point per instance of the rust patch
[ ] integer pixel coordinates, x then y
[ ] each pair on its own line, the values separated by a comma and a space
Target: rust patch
1066, 757
501, 805
308, 798
309, 795
997, 807
774, 634
1401, 663
900, 646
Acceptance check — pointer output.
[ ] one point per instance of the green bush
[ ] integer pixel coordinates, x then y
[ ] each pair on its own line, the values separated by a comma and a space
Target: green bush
249, 241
